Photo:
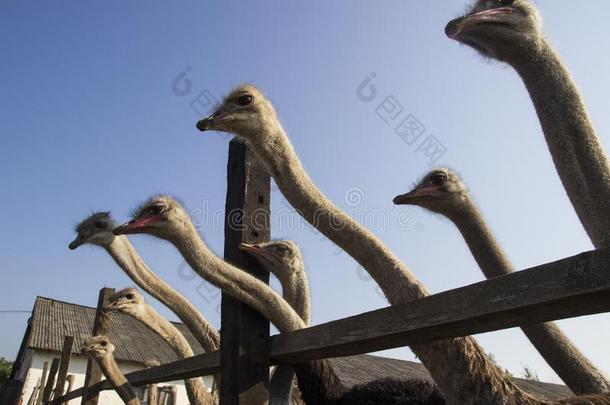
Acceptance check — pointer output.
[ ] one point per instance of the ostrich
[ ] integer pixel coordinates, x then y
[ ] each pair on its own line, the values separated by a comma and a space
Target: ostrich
443, 192
165, 218
460, 367
101, 350
510, 31
130, 302
97, 230
283, 258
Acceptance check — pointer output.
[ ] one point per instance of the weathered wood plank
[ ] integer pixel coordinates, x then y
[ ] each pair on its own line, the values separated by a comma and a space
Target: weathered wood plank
243, 330
70, 380
40, 387
100, 327
575, 286
48, 388
64, 364
203, 364
567, 288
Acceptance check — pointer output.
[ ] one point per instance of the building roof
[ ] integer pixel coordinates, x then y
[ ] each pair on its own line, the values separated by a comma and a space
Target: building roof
134, 342
52, 319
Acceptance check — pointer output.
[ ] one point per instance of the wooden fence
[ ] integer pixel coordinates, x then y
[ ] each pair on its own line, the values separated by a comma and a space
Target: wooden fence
571, 287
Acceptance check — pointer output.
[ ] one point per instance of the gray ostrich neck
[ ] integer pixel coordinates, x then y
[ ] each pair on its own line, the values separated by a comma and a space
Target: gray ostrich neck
117, 379
480, 240
393, 277
236, 282
195, 387
164, 328
574, 368
126, 257
450, 362
577, 152
295, 290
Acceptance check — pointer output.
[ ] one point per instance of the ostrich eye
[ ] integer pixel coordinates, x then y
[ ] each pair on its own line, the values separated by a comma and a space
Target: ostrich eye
282, 250
155, 210
129, 296
244, 100
506, 2
99, 225
438, 179
104, 344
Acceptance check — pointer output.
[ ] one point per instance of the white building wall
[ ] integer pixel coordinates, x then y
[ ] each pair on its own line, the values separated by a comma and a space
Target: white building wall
33, 366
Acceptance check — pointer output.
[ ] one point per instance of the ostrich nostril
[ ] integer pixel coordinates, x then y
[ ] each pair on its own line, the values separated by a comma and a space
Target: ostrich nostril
453, 28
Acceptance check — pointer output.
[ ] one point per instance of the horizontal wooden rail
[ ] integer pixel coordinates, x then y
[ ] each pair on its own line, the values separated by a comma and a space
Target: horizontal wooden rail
571, 287
202, 364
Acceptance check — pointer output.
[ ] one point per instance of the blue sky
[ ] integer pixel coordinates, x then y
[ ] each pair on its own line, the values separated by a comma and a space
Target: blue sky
90, 120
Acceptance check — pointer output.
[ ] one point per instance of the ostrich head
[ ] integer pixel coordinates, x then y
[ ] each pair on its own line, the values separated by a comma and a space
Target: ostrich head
246, 112
98, 346
500, 29
440, 191
96, 229
160, 216
128, 300
279, 256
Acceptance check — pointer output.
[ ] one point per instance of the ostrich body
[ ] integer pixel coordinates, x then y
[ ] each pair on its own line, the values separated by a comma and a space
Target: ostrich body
166, 219
511, 32
459, 366
443, 192
130, 302
97, 230
101, 349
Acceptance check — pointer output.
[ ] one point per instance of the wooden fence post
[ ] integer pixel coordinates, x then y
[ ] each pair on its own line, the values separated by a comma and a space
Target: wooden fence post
45, 370
100, 327
70, 380
64, 364
244, 351
48, 388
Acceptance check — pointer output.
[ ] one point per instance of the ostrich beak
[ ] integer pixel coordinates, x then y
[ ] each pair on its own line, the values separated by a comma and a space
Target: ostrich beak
124, 229
408, 198
256, 250
79, 240
403, 198
206, 124
135, 225
455, 27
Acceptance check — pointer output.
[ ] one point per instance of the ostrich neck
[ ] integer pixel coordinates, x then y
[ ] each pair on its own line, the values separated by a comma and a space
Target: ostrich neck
295, 290
164, 328
459, 366
195, 388
394, 278
126, 256
575, 148
236, 282
572, 366
480, 240
117, 379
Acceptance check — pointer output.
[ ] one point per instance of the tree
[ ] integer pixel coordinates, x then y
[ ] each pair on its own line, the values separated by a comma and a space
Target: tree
529, 373
5, 369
